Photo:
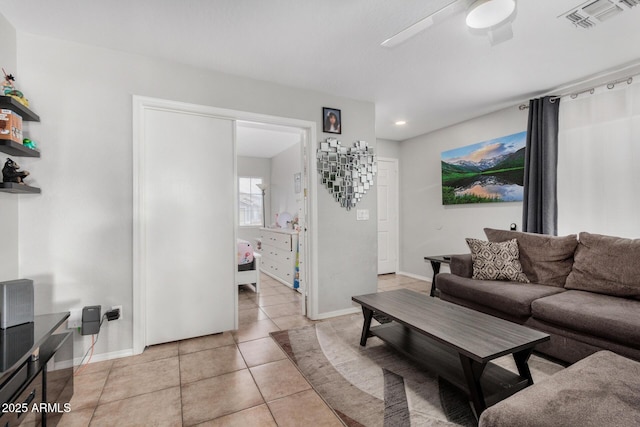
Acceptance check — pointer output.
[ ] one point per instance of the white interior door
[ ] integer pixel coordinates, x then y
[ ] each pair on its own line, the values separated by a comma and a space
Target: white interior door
387, 215
189, 186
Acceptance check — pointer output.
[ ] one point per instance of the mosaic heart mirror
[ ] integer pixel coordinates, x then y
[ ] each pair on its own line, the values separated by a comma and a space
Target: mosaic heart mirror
347, 172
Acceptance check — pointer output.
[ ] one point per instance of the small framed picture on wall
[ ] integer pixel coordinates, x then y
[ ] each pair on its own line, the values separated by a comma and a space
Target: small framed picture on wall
332, 120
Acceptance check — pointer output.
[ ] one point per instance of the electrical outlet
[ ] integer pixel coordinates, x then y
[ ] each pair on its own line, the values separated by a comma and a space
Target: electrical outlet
75, 318
119, 307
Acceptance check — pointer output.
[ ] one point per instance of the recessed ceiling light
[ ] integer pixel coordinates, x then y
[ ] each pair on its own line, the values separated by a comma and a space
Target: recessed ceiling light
401, 122
484, 14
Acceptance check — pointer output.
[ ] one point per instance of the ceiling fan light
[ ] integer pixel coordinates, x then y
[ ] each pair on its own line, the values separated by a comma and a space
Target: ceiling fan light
483, 14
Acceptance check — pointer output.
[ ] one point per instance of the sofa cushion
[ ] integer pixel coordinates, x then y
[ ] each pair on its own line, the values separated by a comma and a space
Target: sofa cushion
607, 265
545, 259
612, 318
601, 390
570, 346
499, 295
461, 265
496, 261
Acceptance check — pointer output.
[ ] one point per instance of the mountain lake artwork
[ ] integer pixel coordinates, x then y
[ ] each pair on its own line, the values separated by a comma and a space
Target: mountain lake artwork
485, 172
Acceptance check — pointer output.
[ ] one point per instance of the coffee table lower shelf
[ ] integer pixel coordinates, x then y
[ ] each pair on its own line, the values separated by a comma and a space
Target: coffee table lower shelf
497, 382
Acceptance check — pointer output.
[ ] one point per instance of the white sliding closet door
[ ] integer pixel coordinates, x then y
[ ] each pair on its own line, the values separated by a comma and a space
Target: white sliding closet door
188, 209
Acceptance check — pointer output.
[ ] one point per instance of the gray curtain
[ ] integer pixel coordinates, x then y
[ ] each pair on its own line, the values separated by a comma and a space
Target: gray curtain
540, 207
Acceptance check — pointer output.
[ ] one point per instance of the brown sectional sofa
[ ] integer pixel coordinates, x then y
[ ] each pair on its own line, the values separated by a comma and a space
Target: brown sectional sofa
584, 292
600, 390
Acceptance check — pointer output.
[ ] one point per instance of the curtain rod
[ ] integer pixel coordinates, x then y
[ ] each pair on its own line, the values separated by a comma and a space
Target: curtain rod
574, 95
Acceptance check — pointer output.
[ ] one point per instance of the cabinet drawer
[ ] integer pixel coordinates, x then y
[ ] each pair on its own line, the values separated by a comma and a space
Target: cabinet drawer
282, 271
20, 409
278, 255
279, 240
285, 273
11, 387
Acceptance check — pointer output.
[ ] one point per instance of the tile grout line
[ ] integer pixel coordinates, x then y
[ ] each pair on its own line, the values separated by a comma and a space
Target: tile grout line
254, 380
251, 373
264, 402
257, 387
95, 408
237, 345
180, 384
260, 308
312, 388
128, 397
207, 349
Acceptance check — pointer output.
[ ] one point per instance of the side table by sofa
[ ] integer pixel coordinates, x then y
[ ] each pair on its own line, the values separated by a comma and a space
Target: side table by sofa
436, 261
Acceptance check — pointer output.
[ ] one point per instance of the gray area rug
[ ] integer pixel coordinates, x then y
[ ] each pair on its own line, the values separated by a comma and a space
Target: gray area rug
375, 385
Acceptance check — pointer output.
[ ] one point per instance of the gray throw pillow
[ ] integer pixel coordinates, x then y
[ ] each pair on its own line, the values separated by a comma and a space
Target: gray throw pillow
607, 265
496, 261
545, 259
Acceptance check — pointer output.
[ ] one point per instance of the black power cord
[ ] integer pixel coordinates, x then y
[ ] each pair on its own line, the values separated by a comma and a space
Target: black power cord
109, 315
93, 344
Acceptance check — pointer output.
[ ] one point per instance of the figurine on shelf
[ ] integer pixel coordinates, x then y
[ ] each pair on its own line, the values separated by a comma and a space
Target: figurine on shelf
9, 90
7, 86
10, 172
29, 143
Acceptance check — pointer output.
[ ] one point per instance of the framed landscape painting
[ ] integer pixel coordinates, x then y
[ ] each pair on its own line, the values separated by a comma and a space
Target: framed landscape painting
485, 172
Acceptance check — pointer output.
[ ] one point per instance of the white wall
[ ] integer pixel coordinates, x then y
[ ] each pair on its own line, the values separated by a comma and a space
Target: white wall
9, 202
426, 226
76, 238
9, 234
254, 167
283, 197
388, 148
8, 55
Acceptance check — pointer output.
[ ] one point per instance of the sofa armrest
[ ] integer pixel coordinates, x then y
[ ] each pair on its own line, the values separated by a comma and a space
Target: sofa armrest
462, 265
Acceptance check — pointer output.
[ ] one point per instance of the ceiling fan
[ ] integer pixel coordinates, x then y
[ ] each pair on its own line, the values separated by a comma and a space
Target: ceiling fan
490, 17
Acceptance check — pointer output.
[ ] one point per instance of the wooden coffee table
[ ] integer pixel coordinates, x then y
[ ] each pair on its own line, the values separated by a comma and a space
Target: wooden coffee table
453, 341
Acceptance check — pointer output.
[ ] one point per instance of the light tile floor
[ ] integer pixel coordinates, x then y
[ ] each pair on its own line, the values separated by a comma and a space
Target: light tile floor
238, 378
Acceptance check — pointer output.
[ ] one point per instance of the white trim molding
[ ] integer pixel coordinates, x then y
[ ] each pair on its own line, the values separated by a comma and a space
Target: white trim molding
344, 312
415, 276
101, 357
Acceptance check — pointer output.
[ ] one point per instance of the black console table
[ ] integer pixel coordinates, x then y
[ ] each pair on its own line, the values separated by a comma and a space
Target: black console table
30, 391
436, 260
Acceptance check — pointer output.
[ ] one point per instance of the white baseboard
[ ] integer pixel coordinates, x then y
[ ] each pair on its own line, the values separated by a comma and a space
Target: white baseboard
96, 358
415, 276
353, 310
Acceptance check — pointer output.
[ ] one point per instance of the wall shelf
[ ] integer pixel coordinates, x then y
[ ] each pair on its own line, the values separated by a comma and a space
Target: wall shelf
15, 149
11, 104
12, 187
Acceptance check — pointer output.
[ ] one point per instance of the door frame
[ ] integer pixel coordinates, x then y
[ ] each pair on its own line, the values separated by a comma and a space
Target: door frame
397, 190
142, 104
303, 235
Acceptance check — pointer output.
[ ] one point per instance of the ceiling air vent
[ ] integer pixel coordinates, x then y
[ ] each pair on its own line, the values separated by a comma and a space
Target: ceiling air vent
592, 12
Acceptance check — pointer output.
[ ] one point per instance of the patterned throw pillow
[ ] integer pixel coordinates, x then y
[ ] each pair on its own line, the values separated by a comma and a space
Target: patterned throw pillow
496, 261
